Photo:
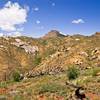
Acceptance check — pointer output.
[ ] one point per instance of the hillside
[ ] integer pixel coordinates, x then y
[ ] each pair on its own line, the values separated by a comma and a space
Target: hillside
43, 64
53, 34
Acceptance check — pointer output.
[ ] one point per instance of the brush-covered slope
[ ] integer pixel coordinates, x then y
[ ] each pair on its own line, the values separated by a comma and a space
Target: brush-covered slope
50, 55
44, 63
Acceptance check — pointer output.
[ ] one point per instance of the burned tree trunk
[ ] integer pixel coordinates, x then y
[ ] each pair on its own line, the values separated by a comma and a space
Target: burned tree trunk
79, 92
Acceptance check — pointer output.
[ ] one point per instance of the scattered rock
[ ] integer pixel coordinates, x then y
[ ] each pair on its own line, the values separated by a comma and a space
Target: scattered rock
83, 54
28, 48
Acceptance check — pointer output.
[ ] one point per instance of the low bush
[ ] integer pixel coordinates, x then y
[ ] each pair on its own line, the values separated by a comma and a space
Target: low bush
72, 73
16, 76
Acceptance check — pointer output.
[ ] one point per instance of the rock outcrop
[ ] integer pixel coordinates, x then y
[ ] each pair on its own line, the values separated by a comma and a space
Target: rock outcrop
53, 34
27, 47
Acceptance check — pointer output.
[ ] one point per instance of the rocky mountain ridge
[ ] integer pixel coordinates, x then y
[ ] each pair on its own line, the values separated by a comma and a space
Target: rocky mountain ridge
52, 34
56, 52
40, 66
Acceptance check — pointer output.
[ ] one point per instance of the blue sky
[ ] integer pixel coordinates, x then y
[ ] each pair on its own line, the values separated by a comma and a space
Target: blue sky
67, 16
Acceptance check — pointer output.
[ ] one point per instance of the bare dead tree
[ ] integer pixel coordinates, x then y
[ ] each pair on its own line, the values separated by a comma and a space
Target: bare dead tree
79, 91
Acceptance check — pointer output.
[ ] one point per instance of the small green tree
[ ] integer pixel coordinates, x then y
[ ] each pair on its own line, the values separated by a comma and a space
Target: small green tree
16, 76
72, 73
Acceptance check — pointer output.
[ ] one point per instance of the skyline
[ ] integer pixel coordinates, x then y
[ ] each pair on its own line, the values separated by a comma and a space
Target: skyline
36, 17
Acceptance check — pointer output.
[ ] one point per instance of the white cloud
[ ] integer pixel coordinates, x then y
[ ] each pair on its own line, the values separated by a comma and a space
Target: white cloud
36, 9
20, 29
53, 4
11, 34
16, 34
1, 34
38, 22
11, 15
26, 8
78, 21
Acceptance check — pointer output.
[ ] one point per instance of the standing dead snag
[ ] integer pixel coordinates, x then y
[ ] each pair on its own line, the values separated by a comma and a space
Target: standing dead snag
79, 92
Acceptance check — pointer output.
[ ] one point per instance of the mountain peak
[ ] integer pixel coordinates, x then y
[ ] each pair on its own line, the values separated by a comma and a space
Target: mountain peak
97, 33
53, 33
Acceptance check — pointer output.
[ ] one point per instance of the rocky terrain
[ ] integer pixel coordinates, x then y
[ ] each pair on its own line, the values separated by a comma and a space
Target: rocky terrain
37, 69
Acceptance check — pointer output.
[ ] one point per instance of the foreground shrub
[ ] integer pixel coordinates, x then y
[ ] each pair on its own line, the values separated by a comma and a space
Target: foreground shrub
16, 76
72, 73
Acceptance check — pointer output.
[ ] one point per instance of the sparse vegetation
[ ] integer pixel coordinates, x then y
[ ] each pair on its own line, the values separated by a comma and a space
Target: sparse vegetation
16, 76
37, 60
49, 52
72, 73
52, 88
53, 56
3, 84
43, 42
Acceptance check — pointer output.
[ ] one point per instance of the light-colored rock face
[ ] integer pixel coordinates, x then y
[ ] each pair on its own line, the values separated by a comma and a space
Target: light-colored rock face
19, 43
83, 53
30, 49
27, 47
77, 39
1, 46
17, 40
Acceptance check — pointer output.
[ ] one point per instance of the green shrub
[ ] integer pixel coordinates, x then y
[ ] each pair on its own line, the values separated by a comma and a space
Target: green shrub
16, 76
72, 73
37, 60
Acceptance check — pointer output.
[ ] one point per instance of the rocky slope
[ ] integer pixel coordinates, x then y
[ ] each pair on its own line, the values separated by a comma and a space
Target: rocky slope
55, 52
52, 55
